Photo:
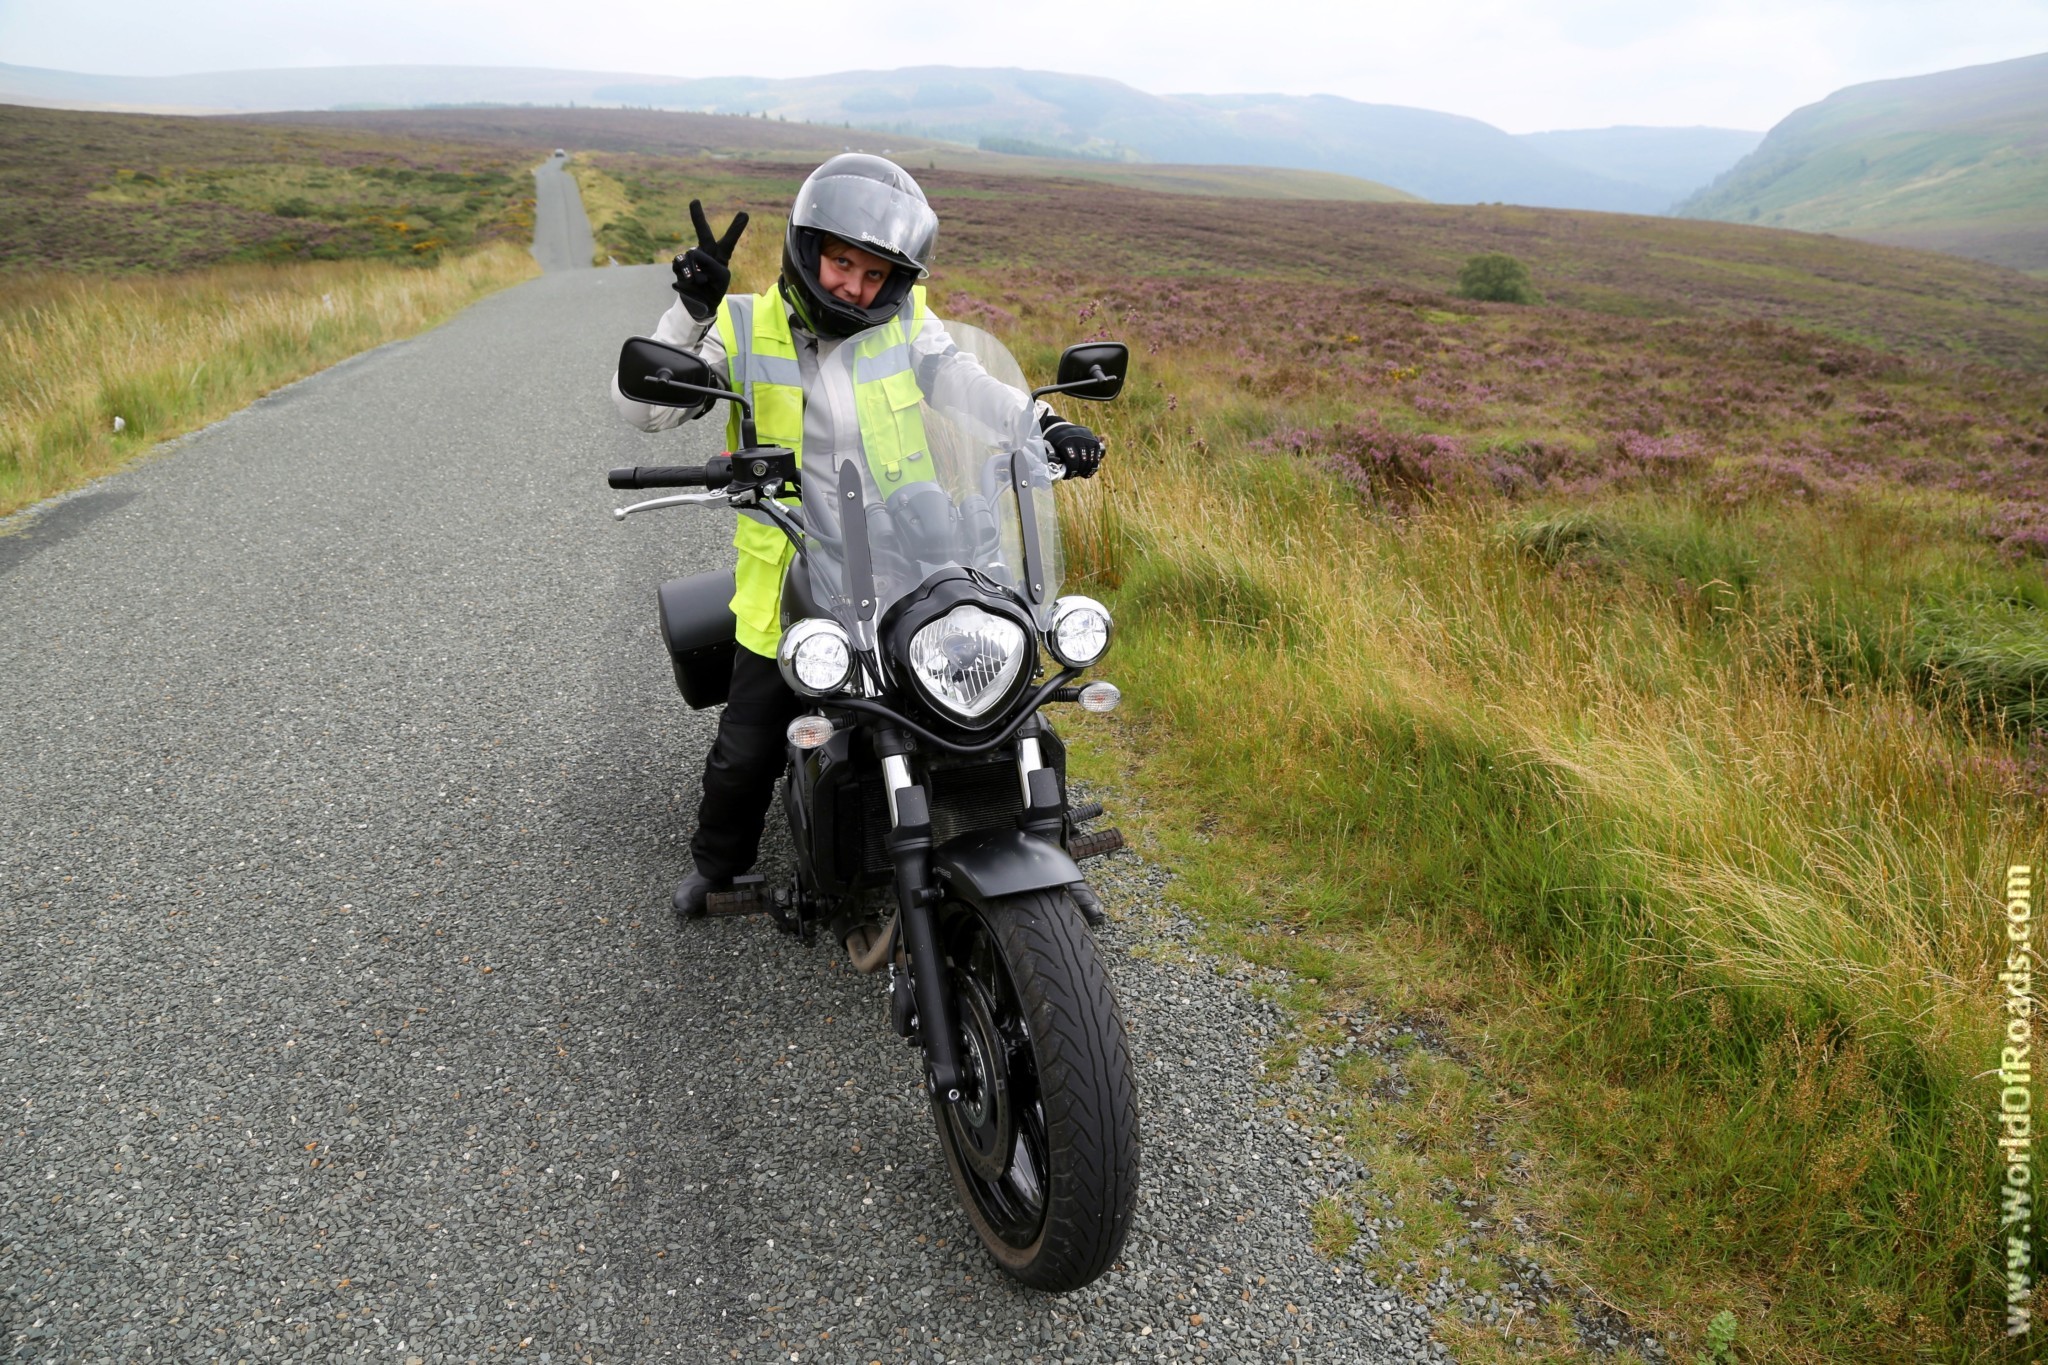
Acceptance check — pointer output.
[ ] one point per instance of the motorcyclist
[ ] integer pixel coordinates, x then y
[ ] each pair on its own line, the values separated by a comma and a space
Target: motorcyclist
860, 238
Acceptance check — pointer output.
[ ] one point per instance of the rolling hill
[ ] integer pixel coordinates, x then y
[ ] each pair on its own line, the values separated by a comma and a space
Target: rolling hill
673, 133
1956, 161
1089, 120
228, 92
1434, 155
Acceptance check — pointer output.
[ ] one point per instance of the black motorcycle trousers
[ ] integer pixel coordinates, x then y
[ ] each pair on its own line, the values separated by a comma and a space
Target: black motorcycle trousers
740, 772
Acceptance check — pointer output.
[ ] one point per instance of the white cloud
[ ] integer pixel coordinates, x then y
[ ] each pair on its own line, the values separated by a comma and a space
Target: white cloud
1520, 64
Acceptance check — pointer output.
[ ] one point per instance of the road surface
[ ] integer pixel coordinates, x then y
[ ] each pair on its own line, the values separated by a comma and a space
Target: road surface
561, 230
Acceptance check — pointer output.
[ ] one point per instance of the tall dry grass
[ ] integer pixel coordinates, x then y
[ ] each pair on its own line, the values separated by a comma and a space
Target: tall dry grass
653, 229
168, 354
757, 261
604, 202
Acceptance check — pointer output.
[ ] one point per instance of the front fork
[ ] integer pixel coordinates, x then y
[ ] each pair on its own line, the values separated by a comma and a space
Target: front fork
909, 843
910, 849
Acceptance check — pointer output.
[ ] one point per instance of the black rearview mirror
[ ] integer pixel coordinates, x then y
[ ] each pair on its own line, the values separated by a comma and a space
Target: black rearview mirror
653, 372
1094, 370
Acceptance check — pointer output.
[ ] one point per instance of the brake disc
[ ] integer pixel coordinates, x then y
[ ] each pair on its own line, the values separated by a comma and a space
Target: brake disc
982, 1119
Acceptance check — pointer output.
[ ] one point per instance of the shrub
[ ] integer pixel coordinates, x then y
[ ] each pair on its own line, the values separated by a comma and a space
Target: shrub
629, 239
1574, 535
1392, 469
1497, 277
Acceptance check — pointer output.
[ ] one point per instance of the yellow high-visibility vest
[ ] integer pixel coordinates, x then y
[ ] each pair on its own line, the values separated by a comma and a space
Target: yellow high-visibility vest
761, 361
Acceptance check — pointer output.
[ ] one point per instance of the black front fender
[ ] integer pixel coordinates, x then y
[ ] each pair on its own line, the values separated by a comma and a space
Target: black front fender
979, 868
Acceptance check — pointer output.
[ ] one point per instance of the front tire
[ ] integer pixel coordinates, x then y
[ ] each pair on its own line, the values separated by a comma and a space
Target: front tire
1044, 1148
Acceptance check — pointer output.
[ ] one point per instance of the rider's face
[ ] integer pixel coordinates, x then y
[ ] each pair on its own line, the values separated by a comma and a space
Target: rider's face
850, 274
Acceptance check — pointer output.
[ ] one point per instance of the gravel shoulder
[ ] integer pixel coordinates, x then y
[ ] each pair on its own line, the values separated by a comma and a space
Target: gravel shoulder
343, 1016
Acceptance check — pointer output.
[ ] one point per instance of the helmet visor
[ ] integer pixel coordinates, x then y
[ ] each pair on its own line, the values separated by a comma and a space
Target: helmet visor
868, 213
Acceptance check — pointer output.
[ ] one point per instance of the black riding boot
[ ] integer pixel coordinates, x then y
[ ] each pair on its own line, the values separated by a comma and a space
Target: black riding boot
740, 772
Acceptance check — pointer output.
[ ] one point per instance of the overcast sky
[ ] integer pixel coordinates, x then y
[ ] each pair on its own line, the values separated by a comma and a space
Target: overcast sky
1524, 65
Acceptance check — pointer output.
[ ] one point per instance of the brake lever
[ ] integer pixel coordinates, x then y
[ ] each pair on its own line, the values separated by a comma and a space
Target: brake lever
673, 500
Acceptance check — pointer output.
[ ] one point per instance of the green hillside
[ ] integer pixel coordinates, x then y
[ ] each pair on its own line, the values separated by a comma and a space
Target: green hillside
1956, 161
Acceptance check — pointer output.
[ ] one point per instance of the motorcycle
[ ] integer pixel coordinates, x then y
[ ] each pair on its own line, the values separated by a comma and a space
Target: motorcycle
925, 790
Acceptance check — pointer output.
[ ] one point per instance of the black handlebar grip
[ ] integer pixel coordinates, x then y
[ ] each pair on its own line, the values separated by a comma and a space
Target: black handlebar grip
660, 476
675, 476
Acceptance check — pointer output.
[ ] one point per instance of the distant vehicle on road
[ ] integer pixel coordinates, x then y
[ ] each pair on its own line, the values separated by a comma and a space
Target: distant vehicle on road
562, 154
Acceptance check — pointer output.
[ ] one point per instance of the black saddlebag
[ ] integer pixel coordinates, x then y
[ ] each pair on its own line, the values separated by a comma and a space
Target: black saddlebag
698, 627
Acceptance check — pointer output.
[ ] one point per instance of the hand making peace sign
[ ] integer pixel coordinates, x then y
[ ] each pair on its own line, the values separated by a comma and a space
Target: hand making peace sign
702, 273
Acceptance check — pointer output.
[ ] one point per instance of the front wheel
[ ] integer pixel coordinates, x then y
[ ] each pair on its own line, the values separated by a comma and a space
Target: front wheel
1043, 1145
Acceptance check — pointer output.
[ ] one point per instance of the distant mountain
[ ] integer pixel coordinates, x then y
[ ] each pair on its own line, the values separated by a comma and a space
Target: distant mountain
1438, 156
1434, 155
322, 87
1676, 161
1956, 161
680, 132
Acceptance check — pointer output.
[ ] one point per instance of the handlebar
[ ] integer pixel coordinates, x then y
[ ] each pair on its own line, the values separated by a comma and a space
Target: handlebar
665, 476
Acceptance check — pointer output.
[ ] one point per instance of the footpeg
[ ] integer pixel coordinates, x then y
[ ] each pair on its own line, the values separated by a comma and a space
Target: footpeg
749, 896
1082, 814
1082, 846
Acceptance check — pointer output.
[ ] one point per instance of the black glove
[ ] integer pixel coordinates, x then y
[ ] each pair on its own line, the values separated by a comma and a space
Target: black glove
702, 276
1075, 447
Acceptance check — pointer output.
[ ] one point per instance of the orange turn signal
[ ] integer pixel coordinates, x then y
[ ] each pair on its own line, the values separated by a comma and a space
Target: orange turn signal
809, 732
1100, 697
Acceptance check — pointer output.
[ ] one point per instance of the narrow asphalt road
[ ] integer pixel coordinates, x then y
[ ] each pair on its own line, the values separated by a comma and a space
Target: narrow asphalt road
561, 229
342, 1016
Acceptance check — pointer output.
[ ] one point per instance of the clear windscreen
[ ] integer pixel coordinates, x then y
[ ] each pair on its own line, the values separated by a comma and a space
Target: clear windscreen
958, 447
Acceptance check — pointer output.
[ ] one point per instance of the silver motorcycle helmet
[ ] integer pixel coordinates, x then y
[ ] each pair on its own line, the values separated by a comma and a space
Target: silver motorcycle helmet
864, 201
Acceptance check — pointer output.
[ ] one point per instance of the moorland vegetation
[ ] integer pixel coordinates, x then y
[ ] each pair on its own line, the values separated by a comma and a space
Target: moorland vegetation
1637, 695
124, 192
166, 271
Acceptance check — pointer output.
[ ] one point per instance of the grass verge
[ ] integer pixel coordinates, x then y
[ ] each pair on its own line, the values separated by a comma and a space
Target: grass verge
640, 215
168, 354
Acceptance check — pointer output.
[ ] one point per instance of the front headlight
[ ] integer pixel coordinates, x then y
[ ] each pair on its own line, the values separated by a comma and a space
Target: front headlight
815, 656
1080, 631
967, 659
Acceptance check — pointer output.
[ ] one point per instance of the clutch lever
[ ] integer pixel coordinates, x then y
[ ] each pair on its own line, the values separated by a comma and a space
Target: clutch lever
673, 500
